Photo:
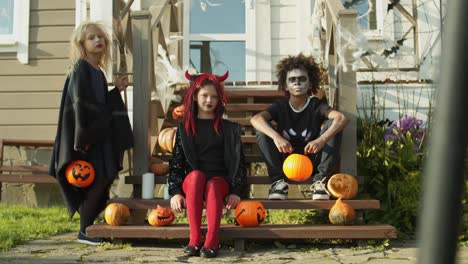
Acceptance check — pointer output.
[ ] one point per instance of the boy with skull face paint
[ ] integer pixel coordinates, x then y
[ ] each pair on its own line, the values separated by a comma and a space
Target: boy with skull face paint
299, 119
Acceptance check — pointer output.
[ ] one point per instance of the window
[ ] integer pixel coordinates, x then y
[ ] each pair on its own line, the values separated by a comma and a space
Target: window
7, 18
14, 28
216, 37
369, 20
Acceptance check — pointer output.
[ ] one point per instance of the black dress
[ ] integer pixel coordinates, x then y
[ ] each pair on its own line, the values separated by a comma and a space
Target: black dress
89, 115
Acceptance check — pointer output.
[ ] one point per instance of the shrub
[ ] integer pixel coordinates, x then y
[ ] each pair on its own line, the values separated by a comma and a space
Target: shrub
390, 156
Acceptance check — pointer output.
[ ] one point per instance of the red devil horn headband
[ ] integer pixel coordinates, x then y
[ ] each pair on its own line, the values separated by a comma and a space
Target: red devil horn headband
219, 78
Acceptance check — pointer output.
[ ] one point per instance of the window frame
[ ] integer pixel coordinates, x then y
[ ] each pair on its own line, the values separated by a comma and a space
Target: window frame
380, 10
18, 41
246, 37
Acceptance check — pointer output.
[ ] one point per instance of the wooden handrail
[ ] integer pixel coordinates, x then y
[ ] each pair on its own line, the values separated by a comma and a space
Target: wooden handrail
28, 143
334, 7
156, 20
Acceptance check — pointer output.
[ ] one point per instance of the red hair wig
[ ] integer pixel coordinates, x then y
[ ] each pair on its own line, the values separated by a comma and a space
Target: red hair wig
191, 108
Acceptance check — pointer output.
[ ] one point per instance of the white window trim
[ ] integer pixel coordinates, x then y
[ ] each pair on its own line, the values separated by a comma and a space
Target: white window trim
18, 41
217, 37
249, 37
380, 12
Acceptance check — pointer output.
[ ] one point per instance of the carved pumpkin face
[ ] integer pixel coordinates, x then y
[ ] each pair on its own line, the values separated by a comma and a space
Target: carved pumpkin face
297, 167
161, 216
250, 213
178, 112
80, 173
343, 186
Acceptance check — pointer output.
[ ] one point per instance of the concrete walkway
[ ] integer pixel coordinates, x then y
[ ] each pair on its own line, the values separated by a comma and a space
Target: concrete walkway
63, 249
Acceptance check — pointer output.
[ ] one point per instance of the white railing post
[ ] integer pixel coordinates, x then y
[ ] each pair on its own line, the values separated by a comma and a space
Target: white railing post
142, 54
347, 87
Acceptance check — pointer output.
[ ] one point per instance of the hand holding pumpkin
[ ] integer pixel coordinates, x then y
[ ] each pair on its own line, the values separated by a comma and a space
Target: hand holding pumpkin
282, 145
178, 203
314, 146
232, 200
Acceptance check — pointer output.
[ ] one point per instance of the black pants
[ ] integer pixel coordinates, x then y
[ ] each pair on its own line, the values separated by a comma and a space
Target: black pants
95, 200
325, 161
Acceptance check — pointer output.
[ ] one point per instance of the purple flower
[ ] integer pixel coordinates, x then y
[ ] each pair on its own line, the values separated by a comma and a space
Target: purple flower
412, 126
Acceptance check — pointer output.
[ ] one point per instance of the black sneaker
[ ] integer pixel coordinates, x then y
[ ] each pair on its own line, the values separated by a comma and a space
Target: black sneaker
279, 190
93, 241
319, 191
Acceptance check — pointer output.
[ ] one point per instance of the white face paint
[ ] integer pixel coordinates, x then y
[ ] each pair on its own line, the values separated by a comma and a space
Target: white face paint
297, 82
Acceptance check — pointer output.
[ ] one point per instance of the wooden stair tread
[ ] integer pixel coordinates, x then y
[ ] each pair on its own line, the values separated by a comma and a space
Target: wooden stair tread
267, 231
27, 178
250, 180
134, 203
248, 157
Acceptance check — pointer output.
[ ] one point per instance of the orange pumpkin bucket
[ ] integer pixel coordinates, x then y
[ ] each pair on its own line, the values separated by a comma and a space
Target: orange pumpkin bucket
80, 173
250, 213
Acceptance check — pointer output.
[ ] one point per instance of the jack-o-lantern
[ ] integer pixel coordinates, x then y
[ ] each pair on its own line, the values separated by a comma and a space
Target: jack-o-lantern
250, 213
116, 214
80, 173
160, 169
166, 139
161, 216
342, 213
343, 186
297, 167
178, 112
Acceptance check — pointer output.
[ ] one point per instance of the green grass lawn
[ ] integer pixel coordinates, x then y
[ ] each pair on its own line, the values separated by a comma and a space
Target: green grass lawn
19, 224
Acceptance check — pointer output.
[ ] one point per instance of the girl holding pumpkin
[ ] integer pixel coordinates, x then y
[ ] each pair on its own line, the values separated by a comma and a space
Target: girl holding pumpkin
92, 126
299, 119
208, 162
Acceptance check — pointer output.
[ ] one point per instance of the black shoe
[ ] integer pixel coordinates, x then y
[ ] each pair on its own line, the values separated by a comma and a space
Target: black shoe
93, 241
208, 252
192, 250
278, 191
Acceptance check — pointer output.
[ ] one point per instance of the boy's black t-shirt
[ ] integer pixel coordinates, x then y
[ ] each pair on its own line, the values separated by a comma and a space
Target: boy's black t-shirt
299, 128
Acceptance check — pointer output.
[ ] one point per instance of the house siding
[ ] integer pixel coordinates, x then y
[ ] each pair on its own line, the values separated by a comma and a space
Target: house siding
30, 94
283, 31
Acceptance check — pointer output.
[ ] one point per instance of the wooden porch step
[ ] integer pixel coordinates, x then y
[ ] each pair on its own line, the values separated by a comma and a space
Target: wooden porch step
248, 157
266, 231
250, 180
133, 203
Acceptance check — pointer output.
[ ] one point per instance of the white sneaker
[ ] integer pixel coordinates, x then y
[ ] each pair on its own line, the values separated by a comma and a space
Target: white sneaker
319, 190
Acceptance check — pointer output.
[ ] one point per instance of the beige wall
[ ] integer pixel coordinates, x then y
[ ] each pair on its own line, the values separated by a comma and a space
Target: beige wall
30, 94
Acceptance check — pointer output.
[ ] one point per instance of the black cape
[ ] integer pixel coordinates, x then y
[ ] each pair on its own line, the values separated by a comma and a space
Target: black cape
83, 120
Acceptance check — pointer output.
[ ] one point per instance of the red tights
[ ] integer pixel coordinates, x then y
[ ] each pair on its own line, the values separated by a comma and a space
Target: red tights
213, 191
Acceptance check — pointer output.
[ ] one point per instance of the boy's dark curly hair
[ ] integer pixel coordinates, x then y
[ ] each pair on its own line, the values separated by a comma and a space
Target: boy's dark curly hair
300, 61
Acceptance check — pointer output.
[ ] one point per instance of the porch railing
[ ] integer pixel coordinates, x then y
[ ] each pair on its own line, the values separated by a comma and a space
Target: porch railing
336, 56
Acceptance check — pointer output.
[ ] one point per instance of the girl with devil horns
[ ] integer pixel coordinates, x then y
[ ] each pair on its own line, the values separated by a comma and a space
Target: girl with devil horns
208, 162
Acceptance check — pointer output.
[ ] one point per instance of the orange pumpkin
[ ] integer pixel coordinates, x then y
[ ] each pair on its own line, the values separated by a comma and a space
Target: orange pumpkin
178, 112
297, 167
160, 169
80, 173
116, 214
166, 139
161, 216
343, 186
250, 213
342, 213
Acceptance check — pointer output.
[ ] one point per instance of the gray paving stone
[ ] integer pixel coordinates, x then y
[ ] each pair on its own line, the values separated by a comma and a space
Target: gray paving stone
64, 249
